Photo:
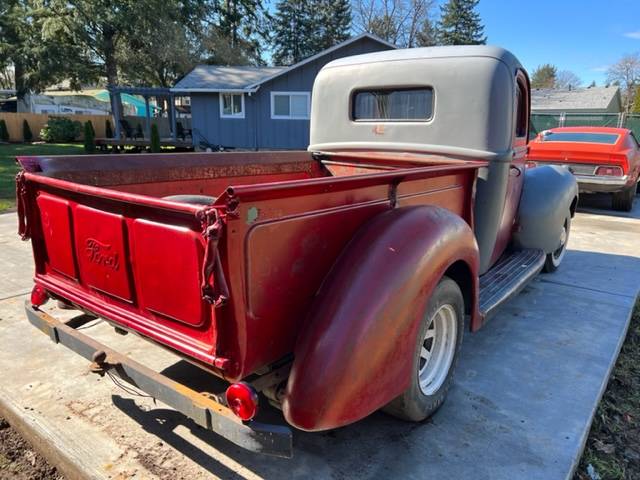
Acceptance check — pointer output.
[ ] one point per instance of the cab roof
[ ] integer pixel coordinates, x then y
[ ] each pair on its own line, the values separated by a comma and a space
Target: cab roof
457, 51
473, 94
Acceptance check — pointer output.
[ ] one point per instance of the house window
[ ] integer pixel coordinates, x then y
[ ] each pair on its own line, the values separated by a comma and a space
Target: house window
231, 105
290, 105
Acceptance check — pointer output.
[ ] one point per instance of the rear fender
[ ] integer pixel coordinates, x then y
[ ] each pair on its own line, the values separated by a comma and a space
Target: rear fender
355, 354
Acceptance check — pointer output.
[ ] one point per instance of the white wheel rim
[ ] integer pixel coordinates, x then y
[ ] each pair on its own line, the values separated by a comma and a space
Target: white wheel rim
558, 254
437, 349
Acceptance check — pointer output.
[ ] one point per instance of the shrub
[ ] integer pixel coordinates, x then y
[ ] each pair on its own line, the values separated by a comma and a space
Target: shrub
108, 130
27, 136
4, 133
155, 139
89, 137
60, 130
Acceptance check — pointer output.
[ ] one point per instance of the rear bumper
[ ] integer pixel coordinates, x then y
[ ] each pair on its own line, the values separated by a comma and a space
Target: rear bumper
203, 409
601, 183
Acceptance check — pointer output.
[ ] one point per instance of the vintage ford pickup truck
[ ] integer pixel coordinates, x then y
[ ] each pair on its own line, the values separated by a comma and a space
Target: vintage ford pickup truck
331, 283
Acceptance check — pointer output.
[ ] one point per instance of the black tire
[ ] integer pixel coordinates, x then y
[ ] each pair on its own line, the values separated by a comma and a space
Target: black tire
623, 200
196, 199
553, 260
413, 405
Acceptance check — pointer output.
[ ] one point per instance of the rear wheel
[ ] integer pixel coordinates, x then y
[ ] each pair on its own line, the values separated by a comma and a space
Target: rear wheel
623, 200
435, 354
553, 260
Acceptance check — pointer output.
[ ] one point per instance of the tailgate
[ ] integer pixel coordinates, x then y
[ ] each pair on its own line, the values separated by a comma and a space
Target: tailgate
136, 261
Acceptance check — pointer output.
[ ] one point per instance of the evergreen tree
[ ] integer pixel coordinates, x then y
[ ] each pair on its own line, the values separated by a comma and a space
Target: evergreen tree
294, 32
40, 56
460, 24
155, 139
306, 27
4, 132
635, 108
544, 76
427, 36
108, 129
333, 23
89, 137
241, 28
27, 135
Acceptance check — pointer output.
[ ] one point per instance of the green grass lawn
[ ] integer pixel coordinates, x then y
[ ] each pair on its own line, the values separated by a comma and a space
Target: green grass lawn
9, 168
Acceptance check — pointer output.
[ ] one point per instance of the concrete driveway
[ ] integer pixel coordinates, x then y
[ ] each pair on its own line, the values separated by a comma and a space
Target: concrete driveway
525, 392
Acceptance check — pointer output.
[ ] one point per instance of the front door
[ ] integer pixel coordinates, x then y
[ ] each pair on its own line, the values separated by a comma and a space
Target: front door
516, 169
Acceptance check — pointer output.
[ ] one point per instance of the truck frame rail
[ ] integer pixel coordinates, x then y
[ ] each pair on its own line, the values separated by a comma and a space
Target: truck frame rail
204, 409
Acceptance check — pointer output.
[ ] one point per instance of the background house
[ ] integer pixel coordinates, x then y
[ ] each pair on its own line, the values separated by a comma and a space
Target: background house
592, 106
577, 100
260, 107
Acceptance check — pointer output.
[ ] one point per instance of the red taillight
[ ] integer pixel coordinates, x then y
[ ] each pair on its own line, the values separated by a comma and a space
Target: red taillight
530, 164
242, 400
39, 296
609, 171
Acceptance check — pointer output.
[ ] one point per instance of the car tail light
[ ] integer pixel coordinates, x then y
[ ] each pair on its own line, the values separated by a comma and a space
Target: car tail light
609, 171
530, 164
39, 296
242, 400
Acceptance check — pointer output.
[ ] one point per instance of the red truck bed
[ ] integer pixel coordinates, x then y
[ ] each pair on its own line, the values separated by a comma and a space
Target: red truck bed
226, 285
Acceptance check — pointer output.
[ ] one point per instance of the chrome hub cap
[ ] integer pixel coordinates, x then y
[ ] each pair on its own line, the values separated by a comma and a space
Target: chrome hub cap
438, 349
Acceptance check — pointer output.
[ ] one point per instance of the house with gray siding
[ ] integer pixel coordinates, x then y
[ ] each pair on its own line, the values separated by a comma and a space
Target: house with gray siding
260, 107
576, 100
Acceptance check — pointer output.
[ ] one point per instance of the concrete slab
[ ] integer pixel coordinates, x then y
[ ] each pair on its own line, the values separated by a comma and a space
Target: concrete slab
521, 406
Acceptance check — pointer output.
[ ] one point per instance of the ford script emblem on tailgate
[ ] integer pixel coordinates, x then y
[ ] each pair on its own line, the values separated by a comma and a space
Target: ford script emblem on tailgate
101, 254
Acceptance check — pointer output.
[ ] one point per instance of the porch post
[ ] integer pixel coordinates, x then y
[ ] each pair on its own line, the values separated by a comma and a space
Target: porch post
172, 116
115, 106
148, 116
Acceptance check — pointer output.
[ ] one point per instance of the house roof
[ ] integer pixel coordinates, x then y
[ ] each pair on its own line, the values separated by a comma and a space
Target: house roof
214, 78
592, 98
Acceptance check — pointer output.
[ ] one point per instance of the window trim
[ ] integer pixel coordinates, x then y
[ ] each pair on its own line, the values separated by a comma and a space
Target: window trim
525, 115
290, 117
221, 104
430, 88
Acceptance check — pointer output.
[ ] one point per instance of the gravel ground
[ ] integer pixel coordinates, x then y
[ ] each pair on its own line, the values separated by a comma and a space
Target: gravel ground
18, 461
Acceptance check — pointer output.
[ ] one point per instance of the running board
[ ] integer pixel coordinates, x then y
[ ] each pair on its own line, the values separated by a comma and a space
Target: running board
507, 277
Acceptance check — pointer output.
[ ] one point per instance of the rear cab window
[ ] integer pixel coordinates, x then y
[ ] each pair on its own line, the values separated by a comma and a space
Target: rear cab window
393, 105
580, 137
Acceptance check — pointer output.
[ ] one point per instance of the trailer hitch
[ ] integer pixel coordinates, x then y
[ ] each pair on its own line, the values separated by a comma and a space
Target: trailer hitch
207, 410
99, 364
